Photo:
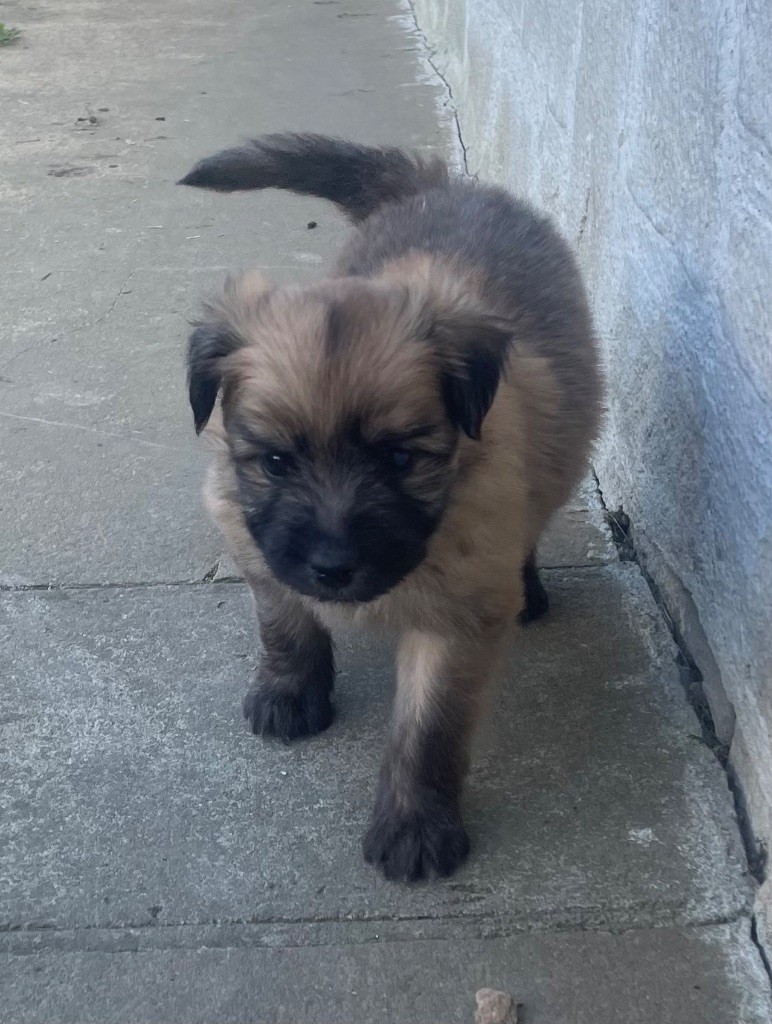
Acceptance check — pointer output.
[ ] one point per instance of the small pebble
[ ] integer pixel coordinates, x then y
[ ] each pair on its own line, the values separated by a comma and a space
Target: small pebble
312, 224
495, 1007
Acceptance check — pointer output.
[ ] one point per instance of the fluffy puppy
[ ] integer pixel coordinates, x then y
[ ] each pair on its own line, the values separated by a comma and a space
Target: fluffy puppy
389, 446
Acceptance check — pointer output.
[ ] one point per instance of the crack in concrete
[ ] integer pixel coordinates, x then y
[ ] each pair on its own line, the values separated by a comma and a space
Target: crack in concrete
211, 572
756, 940
111, 308
16, 356
430, 54
585, 215
89, 430
621, 528
695, 285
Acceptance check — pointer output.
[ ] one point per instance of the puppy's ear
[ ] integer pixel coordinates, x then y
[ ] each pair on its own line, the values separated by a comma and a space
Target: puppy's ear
219, 333
471, 343
473, 348
210, 341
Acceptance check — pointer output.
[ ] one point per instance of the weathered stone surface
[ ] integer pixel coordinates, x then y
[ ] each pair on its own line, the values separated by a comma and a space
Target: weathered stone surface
157, 863
105, 260
131, 782
644, 129
688, 976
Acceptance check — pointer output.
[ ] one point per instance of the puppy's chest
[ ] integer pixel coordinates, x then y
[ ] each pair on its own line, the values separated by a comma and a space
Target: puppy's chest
392, 612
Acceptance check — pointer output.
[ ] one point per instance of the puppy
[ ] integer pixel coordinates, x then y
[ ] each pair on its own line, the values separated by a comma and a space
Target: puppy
389, 446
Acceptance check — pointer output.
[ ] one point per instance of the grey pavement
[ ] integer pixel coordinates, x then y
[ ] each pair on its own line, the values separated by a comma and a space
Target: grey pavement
157, 863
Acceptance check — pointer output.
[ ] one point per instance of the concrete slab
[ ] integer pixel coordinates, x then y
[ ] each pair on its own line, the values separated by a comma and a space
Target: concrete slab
104, 107
135, 795
578, 534
107, 259
688, 976
157, 863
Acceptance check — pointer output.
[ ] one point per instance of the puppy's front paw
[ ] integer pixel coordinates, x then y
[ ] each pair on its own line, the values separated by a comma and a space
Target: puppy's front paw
411, 844
287, 716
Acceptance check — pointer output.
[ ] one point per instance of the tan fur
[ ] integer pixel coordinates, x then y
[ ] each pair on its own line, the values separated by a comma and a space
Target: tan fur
403, 428
455, 611
506, 487
431, 668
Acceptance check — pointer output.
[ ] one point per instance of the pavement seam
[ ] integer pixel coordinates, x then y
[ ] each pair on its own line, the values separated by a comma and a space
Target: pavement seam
129, 938
501, 926
208, 580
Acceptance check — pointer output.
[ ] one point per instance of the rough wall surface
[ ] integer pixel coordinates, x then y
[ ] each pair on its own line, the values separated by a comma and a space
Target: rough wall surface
645, 129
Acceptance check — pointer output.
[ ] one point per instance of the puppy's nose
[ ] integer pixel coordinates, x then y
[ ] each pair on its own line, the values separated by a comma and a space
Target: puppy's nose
333, 564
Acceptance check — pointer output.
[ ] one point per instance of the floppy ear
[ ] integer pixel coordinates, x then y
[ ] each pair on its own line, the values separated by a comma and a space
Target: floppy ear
473, 348
209, 342
217, 335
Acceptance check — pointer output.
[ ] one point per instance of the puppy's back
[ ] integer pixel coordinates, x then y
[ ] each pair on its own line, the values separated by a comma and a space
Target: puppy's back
410, 211
526, 269
522, 271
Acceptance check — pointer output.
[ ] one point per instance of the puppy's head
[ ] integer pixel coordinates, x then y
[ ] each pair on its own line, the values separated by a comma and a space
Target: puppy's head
343, 405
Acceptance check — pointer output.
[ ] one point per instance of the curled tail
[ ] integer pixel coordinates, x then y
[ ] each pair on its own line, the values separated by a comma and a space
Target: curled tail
358, 179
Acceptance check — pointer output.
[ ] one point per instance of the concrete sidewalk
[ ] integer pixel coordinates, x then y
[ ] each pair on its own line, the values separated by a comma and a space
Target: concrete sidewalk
157, 863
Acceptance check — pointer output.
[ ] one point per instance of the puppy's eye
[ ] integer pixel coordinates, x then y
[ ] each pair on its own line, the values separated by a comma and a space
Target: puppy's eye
276, 464
401, 459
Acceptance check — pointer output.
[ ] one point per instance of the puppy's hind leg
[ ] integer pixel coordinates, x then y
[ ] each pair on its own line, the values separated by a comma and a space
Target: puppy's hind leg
537, 600
291, 694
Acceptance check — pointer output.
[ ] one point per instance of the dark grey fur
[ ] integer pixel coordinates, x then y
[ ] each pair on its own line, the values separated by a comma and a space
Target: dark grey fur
358, 179
532, 297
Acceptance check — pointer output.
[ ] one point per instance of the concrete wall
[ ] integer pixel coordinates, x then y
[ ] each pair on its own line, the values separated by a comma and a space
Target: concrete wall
645, 128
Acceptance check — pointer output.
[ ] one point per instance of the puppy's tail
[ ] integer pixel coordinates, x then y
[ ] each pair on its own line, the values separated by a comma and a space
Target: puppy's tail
358, 179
